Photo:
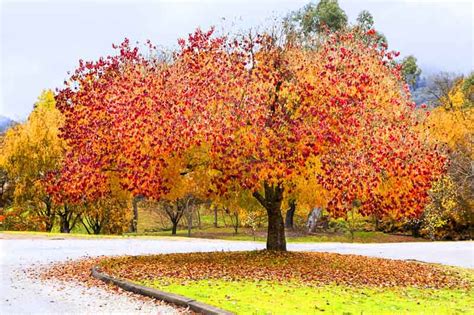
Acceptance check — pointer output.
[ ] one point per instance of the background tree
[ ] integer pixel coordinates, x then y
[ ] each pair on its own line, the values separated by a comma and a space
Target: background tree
314, 19
109, 214
450, 125
30, 151
365, 29
410, 71
437, 88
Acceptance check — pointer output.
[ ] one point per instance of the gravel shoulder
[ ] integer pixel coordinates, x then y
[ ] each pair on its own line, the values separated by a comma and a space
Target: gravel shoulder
21, 294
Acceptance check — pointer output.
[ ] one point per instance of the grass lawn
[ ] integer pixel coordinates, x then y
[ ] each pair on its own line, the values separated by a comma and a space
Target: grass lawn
147, 226
227, 233
261, 282
251, 297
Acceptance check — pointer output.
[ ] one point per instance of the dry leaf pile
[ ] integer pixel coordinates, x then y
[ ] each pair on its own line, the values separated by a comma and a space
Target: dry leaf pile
304, 267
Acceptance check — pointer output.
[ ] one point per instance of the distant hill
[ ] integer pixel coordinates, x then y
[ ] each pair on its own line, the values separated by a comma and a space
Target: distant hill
5, 122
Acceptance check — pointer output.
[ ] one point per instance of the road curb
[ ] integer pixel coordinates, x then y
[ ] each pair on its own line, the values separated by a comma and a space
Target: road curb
176, 299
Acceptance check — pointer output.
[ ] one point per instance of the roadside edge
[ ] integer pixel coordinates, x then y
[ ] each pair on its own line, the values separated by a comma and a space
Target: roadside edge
176, 299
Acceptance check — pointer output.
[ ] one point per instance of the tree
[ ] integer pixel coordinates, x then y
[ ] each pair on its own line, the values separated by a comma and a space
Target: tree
290, 213
30, 151
445, 215
69, 216
365, 21
307, 193
312, 20
450, 125
329, 14
410, 71
238, 204
439, 86
6, 185
134, 221
360, 133
175, 212
245, 115
364, 28
110, 213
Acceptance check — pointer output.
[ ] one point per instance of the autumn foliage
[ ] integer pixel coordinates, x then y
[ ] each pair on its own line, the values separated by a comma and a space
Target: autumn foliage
248, 113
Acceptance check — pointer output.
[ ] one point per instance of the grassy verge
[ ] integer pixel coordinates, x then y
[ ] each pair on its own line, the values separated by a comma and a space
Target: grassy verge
57, 234
148, 225
74, 235
251, 297
261, 282
227, 234
246, 235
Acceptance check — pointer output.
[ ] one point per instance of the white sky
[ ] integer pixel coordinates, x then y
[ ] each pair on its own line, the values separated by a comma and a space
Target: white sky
42, 40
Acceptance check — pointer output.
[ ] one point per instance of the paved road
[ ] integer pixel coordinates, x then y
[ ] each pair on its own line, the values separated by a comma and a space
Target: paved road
19, 294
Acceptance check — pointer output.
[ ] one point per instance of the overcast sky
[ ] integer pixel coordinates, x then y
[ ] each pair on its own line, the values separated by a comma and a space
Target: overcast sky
41, 41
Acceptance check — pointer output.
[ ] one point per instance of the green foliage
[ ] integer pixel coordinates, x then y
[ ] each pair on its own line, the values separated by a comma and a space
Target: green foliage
328, 14
312, 20
410, 70
365, 23
365, 20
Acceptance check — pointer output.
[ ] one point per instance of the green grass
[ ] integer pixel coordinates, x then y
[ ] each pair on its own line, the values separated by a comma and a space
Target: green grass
77, 235
149, 226
227, 233
62, 235
252, 297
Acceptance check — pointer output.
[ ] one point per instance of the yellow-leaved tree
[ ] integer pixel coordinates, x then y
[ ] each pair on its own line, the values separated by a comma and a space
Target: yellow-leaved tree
187, 182
451, 124
29, 152
110, 214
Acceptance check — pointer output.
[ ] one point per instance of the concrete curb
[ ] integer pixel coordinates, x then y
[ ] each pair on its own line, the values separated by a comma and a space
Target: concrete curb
176, 299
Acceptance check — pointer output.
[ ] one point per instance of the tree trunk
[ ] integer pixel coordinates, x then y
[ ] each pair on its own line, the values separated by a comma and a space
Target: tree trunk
84, 224
97, 228
272, 203
174, 228
313, 219
50, 219
49, 226
276, 230
290, 214
198, 217
134, 223
65, 228
189, 216
68, 219
236, 226
376, 222
49, 214
215, 216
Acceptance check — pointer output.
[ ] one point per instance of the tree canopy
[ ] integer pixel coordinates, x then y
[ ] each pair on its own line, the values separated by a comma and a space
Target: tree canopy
249, 113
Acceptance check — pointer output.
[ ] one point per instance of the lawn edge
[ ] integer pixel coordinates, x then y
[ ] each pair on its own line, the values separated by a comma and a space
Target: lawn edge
172, 298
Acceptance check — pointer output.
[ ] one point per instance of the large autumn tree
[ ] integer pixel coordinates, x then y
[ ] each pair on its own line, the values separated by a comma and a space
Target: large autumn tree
252, 111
